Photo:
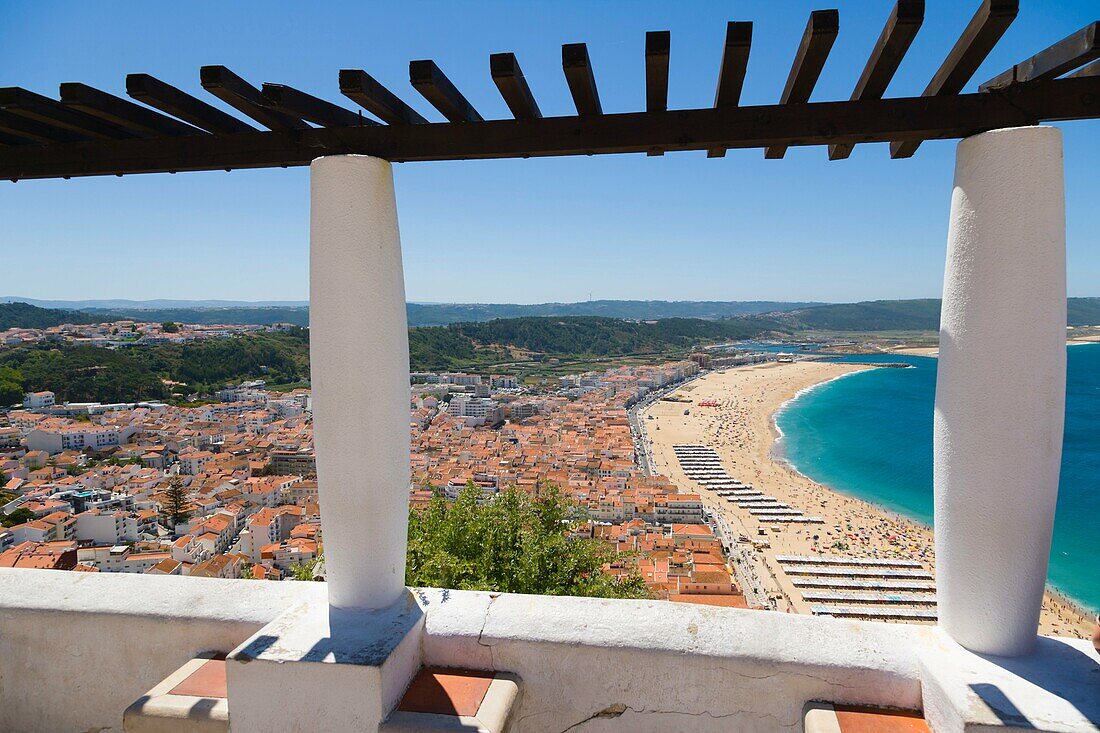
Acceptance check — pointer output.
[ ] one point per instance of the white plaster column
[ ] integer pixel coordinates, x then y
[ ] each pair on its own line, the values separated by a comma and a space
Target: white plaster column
359, 357
1000, 393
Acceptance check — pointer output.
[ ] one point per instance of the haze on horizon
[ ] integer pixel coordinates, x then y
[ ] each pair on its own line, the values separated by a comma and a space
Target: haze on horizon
677, 227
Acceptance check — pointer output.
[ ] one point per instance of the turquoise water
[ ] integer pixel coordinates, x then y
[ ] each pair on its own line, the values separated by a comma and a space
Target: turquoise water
870, 435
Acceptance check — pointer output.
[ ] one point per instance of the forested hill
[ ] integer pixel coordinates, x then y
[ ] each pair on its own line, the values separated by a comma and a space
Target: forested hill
449, 347
903, 315
23, 315
878, 315
161, 371
90, 373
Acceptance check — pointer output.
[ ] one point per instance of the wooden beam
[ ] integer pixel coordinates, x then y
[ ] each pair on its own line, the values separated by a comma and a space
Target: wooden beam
1092, 69
509, 79
124, 113
1066, 55
657, 47
893, 43
814, 123
166, 98
731, 73
245, 98
34, 131
6, 139
434, 86
308, 107
979, 37
35, 107
361, 88
582, 82
817, 40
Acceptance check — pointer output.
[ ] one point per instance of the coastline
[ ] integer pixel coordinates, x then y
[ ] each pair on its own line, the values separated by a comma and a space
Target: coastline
743, 431
934, 351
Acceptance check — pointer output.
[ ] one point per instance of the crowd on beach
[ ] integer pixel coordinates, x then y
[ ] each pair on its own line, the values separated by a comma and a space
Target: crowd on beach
738, 422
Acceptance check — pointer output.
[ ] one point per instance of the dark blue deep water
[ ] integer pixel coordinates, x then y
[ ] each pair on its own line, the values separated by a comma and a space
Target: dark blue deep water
870, 435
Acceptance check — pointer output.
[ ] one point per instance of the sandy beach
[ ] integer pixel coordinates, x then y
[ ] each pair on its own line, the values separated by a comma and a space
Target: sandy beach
742, 430
917, 350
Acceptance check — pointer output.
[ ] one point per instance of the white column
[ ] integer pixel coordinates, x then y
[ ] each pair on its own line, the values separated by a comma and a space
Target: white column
1000, 394
359, 357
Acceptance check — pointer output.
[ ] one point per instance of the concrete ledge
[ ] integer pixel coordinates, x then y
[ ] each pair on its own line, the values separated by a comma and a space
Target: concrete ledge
175, 597
1055, 689
588, 663
649, 665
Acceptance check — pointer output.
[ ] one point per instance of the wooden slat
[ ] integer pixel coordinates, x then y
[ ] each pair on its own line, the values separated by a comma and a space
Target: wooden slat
582, 82
167, 98
657, 47
817, 41
308, 107
1092, 69
893, 43
245, 98
513, 86
813, 123
34, 131
434, 86
981, 34
6, 139
731, 73
361, 88
124, 113
32, 106
1066, 55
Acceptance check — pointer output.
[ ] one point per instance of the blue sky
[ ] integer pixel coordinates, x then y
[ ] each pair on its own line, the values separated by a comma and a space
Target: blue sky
678, 227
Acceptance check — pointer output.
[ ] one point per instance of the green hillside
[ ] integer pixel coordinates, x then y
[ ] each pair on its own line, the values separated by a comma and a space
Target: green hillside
904, 315
92, 374
449, 347
86, 373
23, 315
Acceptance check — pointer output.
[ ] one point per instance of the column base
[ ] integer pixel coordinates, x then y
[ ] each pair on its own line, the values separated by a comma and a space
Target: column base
1055, 689
315, 668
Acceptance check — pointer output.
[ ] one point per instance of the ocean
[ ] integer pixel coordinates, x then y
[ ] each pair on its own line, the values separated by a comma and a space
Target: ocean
869, 435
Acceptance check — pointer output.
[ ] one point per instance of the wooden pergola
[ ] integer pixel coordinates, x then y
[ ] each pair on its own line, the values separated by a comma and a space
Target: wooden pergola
89, 132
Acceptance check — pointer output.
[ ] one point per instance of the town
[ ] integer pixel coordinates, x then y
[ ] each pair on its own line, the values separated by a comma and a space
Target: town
228, 489
123, 333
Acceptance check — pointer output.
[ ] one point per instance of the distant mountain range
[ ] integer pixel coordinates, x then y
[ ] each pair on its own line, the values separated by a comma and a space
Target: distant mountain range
419, 314
878, 315
440, 314
114, 304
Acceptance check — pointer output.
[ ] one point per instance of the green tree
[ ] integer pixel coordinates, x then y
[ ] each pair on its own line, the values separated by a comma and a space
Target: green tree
170, 327
11, 386
19, 516
303, 571
515, 543
175, 508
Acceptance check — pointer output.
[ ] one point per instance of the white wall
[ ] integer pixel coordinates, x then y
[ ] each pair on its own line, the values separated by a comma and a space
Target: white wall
77, 648
105, 640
